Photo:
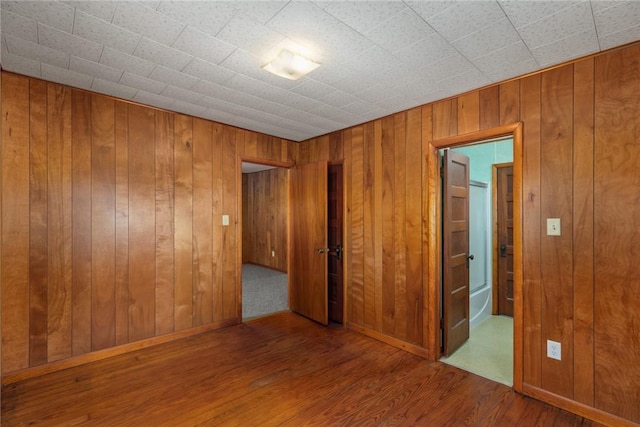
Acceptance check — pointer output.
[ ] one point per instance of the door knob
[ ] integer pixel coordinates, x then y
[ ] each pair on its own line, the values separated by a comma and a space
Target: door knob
321, 250
503, 250
336, 251
470, 257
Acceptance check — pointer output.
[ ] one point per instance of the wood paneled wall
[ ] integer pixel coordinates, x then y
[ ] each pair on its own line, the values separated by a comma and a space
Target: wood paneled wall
581, 157
111, 221
264, 220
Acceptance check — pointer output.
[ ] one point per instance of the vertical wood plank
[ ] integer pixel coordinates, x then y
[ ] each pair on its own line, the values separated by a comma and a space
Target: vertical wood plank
616, 233
378, 185
369, 226
231, 296
557, 202
217, 266
509, 102
583, 125
357, 292
469, 112
413, 227
122, 223
102, 222
531, 219
347, 236
387, 280
183, 250
250, 142
202, 222
336, 147
164, 194
445, 118
142, 242
15, 222
489, 107
59, 228
81, 227
400, 222
38, 231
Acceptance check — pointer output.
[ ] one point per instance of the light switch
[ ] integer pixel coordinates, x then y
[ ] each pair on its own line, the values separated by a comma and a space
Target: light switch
225, 220
553, 226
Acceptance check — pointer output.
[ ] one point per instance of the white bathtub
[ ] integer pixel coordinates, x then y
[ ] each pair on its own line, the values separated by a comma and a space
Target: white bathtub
480, 305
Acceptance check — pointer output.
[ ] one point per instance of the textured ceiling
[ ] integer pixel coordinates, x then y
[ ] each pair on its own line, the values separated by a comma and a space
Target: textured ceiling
204, 58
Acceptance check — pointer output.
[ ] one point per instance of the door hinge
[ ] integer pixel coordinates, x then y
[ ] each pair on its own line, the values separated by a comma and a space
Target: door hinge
441, 172
441, 323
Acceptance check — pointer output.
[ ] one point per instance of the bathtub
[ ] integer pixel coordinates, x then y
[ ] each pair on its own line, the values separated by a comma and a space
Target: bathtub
480, 305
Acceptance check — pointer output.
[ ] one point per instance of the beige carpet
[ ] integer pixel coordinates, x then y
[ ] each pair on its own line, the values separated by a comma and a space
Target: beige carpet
489, 350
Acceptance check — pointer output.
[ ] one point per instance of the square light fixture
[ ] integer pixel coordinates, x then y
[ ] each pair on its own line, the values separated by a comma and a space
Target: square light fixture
290, 65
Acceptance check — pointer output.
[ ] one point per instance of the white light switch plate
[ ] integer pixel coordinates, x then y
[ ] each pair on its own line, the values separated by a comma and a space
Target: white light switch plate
553, 226
225, 220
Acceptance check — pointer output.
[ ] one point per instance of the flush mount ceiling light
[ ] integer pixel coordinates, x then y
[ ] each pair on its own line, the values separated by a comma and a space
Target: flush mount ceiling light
290, 65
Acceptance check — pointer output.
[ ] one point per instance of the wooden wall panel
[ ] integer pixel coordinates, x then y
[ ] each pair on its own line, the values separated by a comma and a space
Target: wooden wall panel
355, 193
110, 225
387, 282
265, 220
38, 225
59, 218
469, 112
556, 188
509, 102
81, 212
489, 107
399, 217
617, 233
102, 222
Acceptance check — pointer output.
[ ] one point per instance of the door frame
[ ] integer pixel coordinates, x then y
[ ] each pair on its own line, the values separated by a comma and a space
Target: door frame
239, 231
433, 235
494, 245
345, 251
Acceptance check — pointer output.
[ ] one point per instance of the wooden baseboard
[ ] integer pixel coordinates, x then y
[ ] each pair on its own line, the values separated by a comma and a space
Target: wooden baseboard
411, 348
23, 374
581, 409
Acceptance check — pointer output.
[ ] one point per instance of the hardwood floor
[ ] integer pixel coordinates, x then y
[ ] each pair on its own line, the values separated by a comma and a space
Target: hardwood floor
277, 370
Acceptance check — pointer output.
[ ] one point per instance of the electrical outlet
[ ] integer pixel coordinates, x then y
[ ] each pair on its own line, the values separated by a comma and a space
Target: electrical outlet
554, 350
553, 226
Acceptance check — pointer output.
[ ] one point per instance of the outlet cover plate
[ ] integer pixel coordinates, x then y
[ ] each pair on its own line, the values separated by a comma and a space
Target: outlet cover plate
554, 350
553, 226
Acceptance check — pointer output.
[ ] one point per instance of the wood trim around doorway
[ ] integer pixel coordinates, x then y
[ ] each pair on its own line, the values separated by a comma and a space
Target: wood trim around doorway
433, 211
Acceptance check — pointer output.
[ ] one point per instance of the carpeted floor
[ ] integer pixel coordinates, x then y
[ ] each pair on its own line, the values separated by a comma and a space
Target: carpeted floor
489, 350
264, 291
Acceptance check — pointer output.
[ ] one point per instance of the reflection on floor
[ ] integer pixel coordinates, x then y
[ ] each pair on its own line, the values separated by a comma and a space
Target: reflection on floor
489, 351
264, 291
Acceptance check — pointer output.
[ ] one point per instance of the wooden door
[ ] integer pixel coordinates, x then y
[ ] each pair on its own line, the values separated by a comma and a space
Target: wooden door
455, 237
504, 192
308, 250
335, 272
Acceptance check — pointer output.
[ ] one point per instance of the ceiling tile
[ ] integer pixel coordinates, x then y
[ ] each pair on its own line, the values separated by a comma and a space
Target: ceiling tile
562, 50
142, 83
65, 76
313, 88
491, 38
617, 18
158, 101
162, 54
338, 99
404, 28
52, 13
69, 43
37, 52
203, 46
522, 13
105, 33
19, 26
188, 108
427, 9
565, 23
494, 63
362, 16
91, 68
173, 78
20, 64
335, 114
425, 51
146, 21
113, 89
627, 35
360, 107
464, 18
181, 94
206, 71
245, 63
250, 35
209, 17
229, 96
307, 118
261, 11
122, 61
100, 9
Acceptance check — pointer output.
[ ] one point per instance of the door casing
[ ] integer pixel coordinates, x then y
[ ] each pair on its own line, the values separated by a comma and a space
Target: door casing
433, 233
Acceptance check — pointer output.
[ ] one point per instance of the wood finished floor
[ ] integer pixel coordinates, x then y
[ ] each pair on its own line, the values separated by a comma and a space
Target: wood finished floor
277, 370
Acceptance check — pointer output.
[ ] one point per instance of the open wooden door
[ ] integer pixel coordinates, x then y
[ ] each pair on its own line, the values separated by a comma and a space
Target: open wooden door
308, 236
504, 190
455, 236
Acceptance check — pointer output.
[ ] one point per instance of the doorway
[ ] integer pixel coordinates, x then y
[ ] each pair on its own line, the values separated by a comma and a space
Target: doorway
265, 278
335, 269
473, 337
